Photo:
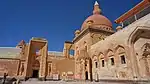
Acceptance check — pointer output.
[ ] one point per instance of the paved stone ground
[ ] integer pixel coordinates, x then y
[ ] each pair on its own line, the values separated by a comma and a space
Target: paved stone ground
36, 81
63, 82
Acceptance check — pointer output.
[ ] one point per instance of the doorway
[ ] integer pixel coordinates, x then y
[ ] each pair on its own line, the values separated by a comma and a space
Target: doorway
35, 74
86, 75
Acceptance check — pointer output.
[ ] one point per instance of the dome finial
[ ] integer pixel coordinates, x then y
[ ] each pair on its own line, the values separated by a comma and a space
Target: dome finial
96, 10
96, 3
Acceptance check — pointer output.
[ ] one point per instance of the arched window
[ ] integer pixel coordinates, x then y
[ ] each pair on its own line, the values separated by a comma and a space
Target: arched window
96, 65
120, 51
123, 60
95, 61
112, 61
103, 63
111, 58
101, 60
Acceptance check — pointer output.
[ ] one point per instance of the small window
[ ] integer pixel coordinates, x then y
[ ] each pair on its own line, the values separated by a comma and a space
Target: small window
112, 61
123, 61
103, 63
85, 64
96, 65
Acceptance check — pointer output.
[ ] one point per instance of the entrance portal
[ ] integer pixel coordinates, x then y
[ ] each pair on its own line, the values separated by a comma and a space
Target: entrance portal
32, 65
86, 75
35, 74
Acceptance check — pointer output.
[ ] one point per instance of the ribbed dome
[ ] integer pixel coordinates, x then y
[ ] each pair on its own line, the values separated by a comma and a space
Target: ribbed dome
97, 19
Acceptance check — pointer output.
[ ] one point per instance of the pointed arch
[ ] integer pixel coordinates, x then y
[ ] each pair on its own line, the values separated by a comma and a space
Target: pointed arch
101, 55
119, 49
109, 52
119, 46
145, 45
101, 59
95, 57
136, 32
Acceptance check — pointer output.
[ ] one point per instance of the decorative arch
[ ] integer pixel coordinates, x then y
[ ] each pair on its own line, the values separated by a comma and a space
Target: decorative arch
94, 54
101, 55
119, 46
95, 58
135, 34
146, 49
138, 32
119, 49
109, 52
101, 59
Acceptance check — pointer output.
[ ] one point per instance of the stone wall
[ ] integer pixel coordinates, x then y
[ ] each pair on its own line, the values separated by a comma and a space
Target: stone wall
9, 66
59, 65
113, 45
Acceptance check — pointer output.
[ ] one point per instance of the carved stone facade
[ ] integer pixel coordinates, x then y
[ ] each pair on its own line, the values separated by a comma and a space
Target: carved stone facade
102, 54
35, 61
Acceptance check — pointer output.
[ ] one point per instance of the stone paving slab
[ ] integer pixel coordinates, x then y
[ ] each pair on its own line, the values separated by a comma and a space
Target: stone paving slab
63, 82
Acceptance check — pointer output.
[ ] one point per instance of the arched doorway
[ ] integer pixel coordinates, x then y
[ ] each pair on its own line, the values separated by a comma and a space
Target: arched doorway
35, 69
35, 74
88, 69
41, 45
86, 75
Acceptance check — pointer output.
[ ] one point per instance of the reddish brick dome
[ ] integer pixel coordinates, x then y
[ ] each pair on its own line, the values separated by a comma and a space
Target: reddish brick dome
97, 19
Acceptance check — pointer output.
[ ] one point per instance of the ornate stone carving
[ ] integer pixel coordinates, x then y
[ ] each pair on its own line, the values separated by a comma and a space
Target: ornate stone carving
145, 55
122, 74
146, 49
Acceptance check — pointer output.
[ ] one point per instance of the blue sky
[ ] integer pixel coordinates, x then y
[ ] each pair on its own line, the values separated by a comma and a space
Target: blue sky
55, 20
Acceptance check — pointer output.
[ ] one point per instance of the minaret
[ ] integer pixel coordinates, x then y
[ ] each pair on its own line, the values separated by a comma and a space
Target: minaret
97, 9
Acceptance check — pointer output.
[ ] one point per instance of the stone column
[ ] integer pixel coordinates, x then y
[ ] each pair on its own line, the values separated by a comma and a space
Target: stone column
28, 64
43, 62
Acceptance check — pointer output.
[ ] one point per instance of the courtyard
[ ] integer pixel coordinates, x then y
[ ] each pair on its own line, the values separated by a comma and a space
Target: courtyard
63, 82
35, 81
